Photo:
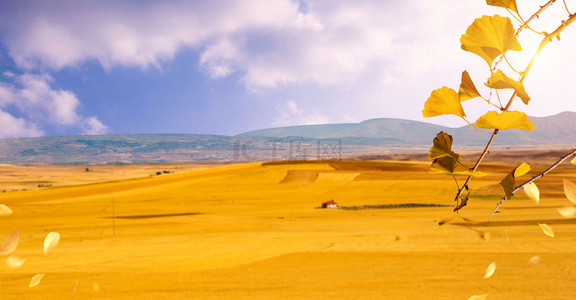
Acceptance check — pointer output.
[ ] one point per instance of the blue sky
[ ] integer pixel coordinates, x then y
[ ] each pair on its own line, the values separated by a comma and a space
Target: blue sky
225, 67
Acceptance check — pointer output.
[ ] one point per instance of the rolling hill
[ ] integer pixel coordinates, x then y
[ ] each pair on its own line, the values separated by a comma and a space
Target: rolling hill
328, 141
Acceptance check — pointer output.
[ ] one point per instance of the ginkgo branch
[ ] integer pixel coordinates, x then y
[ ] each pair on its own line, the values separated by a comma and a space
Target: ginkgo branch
534, 178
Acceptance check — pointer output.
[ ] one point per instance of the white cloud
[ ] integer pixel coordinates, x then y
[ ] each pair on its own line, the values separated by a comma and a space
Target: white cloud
290, 114
93, 126
32, 97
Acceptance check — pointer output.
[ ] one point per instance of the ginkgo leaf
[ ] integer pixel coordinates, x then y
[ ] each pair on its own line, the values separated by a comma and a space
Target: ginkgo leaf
499, 80
573, 161
442, 147
510, 4
489, 37
570, 190
443, 101
96, 286
10, 242
446, 220
505, 120
478, 297
445, 164
567, 212
522, 169
467, 88
534, 260
532, 192
546, 229
5, 210
15, 261
35, 280
508, 183
51, 241
490, 270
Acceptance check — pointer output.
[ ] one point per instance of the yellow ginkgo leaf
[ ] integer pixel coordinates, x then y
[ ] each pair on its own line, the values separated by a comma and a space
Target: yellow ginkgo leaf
478, 297
5, 210
505, 120
532, 192
489, 37
573, 161
10, 242
490, 270
570, 190
51, 241
534, 260
443, 101
35, 280
567, 212
508, 183
546, 229
522, 169
15, 261
510, 4
442, 147
499, 80
467, 88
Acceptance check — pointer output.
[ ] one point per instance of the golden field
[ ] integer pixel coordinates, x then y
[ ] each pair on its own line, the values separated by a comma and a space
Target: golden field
253, 231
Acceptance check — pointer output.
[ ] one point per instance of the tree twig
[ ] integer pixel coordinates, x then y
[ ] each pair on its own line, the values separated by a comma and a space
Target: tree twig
534, 178
547, 39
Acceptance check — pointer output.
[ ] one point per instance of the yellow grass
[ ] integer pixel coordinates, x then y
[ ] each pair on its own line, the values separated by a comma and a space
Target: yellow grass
253, 231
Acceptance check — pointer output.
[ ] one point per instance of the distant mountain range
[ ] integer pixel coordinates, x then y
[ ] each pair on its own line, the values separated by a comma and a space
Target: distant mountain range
329, 141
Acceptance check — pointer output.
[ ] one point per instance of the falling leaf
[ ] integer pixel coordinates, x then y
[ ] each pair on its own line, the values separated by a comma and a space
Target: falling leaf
95, 286
499, 80
443, 101
442, 147
51, 241
534, 260
490, 270
5, 210
546, 229
532, 192
10, 242
478, 297
36, 280
467, 88
489, 37
505, 120
570, 190
567, 212
15, 261
445, 220
508, 236
510, 4
75, 287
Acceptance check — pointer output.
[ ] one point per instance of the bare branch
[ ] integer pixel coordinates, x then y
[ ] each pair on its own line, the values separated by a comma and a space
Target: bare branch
552, 167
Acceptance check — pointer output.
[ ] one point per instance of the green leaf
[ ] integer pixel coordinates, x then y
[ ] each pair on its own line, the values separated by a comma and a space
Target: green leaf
467, 88
505, 120
510, 4
443, 101
499, 80
489, 37
442, 147
445, 164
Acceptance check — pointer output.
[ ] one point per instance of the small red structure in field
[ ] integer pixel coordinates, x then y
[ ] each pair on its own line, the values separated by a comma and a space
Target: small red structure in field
330, 204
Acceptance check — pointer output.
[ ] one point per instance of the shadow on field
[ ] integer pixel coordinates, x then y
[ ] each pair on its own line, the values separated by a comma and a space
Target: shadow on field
517, 223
